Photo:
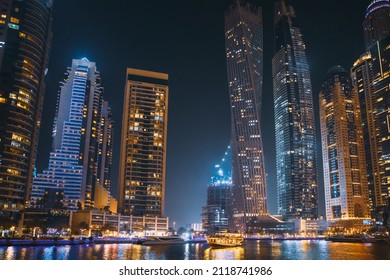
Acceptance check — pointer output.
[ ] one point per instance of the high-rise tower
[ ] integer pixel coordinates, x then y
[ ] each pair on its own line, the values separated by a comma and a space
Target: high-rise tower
345, 177
376, 24
144, 142
25, 39
244, 57
73, 163
370, 78
294, 120
215, 215
104, 157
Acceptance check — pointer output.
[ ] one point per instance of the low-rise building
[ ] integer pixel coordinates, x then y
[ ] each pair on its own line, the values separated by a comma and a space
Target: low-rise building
117, 224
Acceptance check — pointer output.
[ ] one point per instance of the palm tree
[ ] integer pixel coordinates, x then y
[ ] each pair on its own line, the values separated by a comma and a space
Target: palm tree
107, 228
83, 226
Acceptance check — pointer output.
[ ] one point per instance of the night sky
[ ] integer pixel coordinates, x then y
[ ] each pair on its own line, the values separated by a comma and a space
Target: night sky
186, 40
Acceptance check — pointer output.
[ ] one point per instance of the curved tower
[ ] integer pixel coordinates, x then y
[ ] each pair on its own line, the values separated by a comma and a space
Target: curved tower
25, 38
244, 58
376, 24
294, 120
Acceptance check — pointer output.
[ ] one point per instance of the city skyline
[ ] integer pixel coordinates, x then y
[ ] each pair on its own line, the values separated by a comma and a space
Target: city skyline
191, 146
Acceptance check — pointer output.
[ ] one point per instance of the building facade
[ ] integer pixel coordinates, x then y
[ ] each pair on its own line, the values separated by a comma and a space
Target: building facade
376, 24
244, 58
345, 177
105, 147
25, 39
294, 120
144, 142
73, 163
215, 215
370, 76
120, 225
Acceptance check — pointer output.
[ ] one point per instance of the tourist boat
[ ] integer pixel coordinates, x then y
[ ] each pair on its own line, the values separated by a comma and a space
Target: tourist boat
225, 240
355, 238
163, 240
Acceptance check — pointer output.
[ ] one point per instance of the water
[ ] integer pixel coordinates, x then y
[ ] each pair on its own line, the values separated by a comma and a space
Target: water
251, 250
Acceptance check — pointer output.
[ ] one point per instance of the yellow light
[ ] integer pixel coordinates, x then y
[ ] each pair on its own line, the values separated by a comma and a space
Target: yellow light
14, 20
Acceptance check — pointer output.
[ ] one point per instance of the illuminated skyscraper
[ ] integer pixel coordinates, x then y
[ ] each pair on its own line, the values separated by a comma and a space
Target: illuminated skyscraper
25, 39
377, 22
370, 75
104, 156
73, 163
345, 177
143, 146
215, 215
244, 57
294, 120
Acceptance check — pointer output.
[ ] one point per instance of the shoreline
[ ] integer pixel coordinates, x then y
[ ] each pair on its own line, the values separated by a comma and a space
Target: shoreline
85, 241
64, 242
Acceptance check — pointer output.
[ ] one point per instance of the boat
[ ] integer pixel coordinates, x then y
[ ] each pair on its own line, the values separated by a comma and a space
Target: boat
355, 238
225, 240
163, 240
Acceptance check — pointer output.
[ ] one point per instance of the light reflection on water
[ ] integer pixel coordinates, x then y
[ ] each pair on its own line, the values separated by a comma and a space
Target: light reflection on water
251, 250
224, 254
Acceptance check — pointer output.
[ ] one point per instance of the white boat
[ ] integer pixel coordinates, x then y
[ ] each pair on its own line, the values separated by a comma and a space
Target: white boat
356, 238
225, 240
163, 240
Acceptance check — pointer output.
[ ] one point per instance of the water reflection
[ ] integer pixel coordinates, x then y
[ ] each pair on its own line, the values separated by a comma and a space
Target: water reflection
48, 253
251, 250
236, 253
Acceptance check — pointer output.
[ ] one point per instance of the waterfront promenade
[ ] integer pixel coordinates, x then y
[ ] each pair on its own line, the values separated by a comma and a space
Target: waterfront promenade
116, 240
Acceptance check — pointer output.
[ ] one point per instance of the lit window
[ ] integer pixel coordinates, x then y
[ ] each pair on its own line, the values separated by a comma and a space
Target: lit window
14, 20
13, 26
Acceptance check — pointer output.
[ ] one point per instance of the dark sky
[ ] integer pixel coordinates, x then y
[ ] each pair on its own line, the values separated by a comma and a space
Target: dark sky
186, 40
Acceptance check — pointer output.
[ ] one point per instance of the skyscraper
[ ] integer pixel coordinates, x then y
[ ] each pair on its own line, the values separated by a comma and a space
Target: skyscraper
215, 215
345, 177
376, 24
244, 58
104, 157
143, 145
369, 76
25, 39
73, 163
294, 120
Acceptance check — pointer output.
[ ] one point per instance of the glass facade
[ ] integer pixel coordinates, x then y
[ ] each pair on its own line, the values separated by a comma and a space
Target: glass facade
143, 144
104, 157
25, 39
244, 58
294, 120
376, 24
345, 177
370, 75
77, 133
215, 215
